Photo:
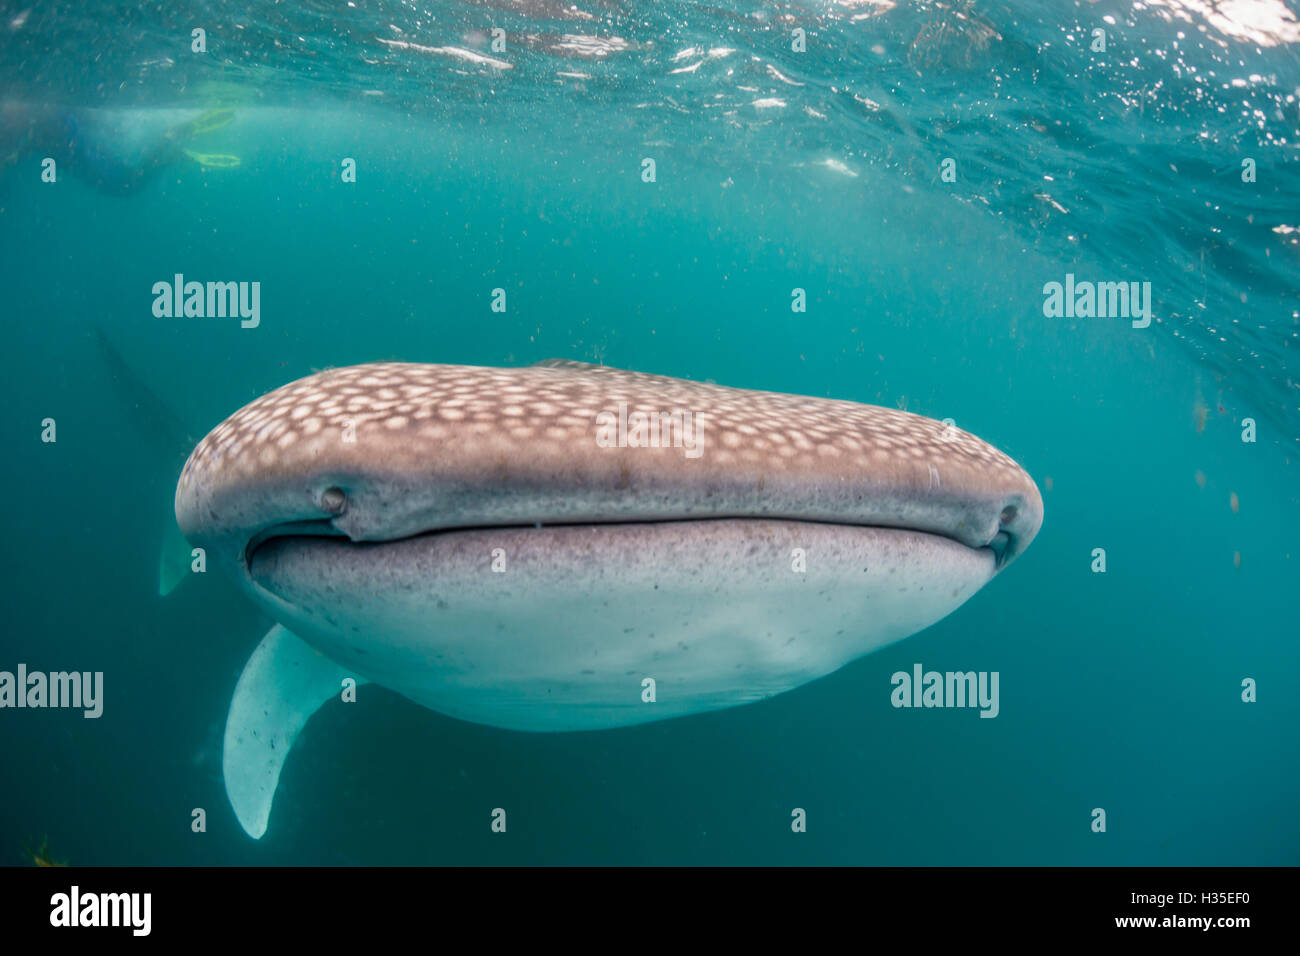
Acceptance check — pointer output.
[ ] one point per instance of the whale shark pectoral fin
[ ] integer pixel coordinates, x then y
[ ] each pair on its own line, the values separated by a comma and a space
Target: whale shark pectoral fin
284, 682
173, 556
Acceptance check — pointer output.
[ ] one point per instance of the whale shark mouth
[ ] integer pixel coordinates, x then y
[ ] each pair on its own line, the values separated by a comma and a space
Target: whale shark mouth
301, 534
1002, 544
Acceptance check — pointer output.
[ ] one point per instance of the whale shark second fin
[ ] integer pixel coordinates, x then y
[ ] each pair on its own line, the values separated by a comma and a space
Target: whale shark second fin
284, 682
171, 442
174, 555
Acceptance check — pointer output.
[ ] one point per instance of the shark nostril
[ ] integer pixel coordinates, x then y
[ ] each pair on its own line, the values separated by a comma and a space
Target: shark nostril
333, 500
1008, 515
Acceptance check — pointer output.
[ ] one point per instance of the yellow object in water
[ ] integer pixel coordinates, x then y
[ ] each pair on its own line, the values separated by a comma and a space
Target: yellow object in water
211, 121
42, 856
214, 160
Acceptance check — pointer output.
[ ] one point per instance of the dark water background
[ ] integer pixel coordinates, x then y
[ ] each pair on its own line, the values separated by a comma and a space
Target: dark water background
1119, 690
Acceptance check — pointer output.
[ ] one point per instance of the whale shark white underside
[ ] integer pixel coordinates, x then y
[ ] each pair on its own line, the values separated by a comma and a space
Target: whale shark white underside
465, 537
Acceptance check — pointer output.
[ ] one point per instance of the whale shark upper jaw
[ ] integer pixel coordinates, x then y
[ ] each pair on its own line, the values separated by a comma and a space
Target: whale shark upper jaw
391, 450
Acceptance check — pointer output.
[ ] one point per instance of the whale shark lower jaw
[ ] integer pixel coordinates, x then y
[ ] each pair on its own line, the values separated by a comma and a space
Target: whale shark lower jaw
573, 547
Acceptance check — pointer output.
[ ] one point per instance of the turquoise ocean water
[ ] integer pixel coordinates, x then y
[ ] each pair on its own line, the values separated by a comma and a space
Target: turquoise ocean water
775, 169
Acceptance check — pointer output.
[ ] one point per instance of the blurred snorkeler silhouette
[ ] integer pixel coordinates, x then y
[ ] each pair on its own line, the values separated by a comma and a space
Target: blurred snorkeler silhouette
56, 132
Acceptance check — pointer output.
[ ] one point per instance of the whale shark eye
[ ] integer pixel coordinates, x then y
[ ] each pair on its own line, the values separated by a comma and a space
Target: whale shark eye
333, 500
1008, 514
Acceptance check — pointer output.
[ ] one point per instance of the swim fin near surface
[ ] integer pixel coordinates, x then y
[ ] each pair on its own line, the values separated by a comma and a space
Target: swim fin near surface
213, 160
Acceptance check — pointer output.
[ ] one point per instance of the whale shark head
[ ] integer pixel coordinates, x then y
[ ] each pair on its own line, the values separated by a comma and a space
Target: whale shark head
569, 547
388, 512
387, 451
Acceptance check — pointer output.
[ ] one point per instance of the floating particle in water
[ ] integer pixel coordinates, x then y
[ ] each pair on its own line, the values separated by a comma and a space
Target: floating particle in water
1201, 411
1200, 478
1047, 482
1236, 559
1233, 503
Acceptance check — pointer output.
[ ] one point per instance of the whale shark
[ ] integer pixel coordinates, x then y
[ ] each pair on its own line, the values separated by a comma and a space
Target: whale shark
572, 547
